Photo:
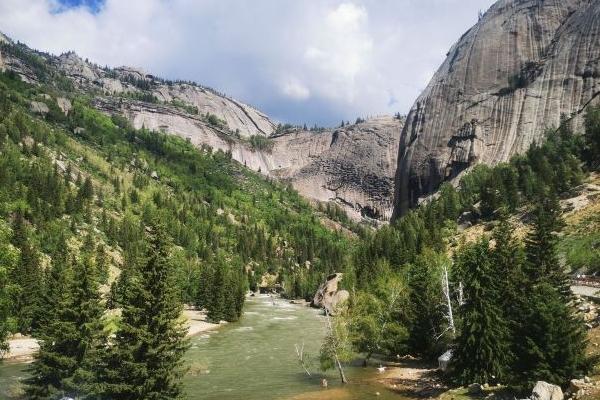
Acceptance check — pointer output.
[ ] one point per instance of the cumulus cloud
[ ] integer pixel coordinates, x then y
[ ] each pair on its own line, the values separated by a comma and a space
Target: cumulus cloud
299, 61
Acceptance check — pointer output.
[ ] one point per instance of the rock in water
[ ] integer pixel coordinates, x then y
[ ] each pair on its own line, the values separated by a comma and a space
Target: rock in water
546, 391
522, 66
328, 296
475, 389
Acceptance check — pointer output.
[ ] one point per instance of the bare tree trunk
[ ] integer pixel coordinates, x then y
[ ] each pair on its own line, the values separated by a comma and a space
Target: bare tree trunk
446, 290
339, 367
461, 300
300, 353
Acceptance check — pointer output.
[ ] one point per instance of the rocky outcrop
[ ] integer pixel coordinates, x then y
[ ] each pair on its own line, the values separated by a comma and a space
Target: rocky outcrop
328, 297
508, 79
546, 391
353, 166
238, 117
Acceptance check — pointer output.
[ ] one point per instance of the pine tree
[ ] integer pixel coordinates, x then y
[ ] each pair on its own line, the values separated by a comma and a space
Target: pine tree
507, 258
542, 262
427, 322
55, 359
218, 295
28, 277
482, 351
8, 261
92, 339
145, 360
551, 339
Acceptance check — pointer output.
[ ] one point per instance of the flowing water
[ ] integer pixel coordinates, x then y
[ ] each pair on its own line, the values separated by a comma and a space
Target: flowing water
255, 359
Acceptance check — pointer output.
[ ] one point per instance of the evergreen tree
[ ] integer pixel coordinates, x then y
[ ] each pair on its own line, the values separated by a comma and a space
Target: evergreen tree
8, 261
91, 336
58, 336
28, 277
145, 360
218, 293
550, 340
482, 350
542, 262
507, 258
427, 323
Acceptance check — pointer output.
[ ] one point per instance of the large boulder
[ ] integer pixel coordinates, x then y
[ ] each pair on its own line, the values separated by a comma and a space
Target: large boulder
38, 107
546, 391
328, 296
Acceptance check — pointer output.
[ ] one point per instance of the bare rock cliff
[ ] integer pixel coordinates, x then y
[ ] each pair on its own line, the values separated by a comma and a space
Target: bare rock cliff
508, 79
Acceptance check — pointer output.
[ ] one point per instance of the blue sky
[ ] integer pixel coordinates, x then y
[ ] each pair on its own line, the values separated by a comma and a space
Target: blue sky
93, 5
317, 61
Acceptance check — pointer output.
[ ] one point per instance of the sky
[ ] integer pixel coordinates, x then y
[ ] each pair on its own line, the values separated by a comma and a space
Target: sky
299, 61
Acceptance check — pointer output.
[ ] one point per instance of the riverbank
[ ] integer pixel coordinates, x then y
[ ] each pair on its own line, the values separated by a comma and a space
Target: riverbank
22, 348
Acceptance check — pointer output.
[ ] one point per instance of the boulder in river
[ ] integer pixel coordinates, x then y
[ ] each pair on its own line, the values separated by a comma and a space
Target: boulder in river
328, 296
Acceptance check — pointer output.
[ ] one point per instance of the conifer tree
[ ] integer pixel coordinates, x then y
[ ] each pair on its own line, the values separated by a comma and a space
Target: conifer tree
426, 323
482, 351
507, 258
87, 312
8, 261
542, 262
551, 338
551, 341
55, 359
145, 359
218, 295
28, 277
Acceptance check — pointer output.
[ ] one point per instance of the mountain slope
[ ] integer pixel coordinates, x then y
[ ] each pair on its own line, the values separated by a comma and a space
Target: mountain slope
356, 171
507, 80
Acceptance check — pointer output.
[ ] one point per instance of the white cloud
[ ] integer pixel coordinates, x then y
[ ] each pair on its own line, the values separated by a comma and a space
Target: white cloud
295, 90
301, 61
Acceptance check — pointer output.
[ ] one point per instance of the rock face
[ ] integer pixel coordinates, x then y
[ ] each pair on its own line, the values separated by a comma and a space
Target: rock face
546, 391
353, 166
507, 79
126, 80
328, 296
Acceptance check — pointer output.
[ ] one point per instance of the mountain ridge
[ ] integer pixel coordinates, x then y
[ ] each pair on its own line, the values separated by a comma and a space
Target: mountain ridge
208, 118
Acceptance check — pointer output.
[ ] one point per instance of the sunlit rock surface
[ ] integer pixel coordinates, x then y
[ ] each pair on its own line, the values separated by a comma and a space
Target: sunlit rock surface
506, 80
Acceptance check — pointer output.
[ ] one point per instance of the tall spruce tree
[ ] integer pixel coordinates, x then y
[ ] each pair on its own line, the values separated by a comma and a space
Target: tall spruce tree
29, 278
426, 321
57, 335
8, 261
218, 295
550, 341
145, 360
482, 351
551, 338
542, 262
87, 312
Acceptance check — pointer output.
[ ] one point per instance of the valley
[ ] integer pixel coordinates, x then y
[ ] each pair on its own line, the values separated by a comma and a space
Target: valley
162, 240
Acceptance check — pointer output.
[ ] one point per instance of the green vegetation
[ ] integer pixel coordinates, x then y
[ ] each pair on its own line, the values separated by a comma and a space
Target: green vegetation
188, 108
88, 204
261, 143
505, 330
215, 121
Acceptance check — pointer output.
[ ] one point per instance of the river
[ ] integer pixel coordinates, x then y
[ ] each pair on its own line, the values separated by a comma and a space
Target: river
255, 359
